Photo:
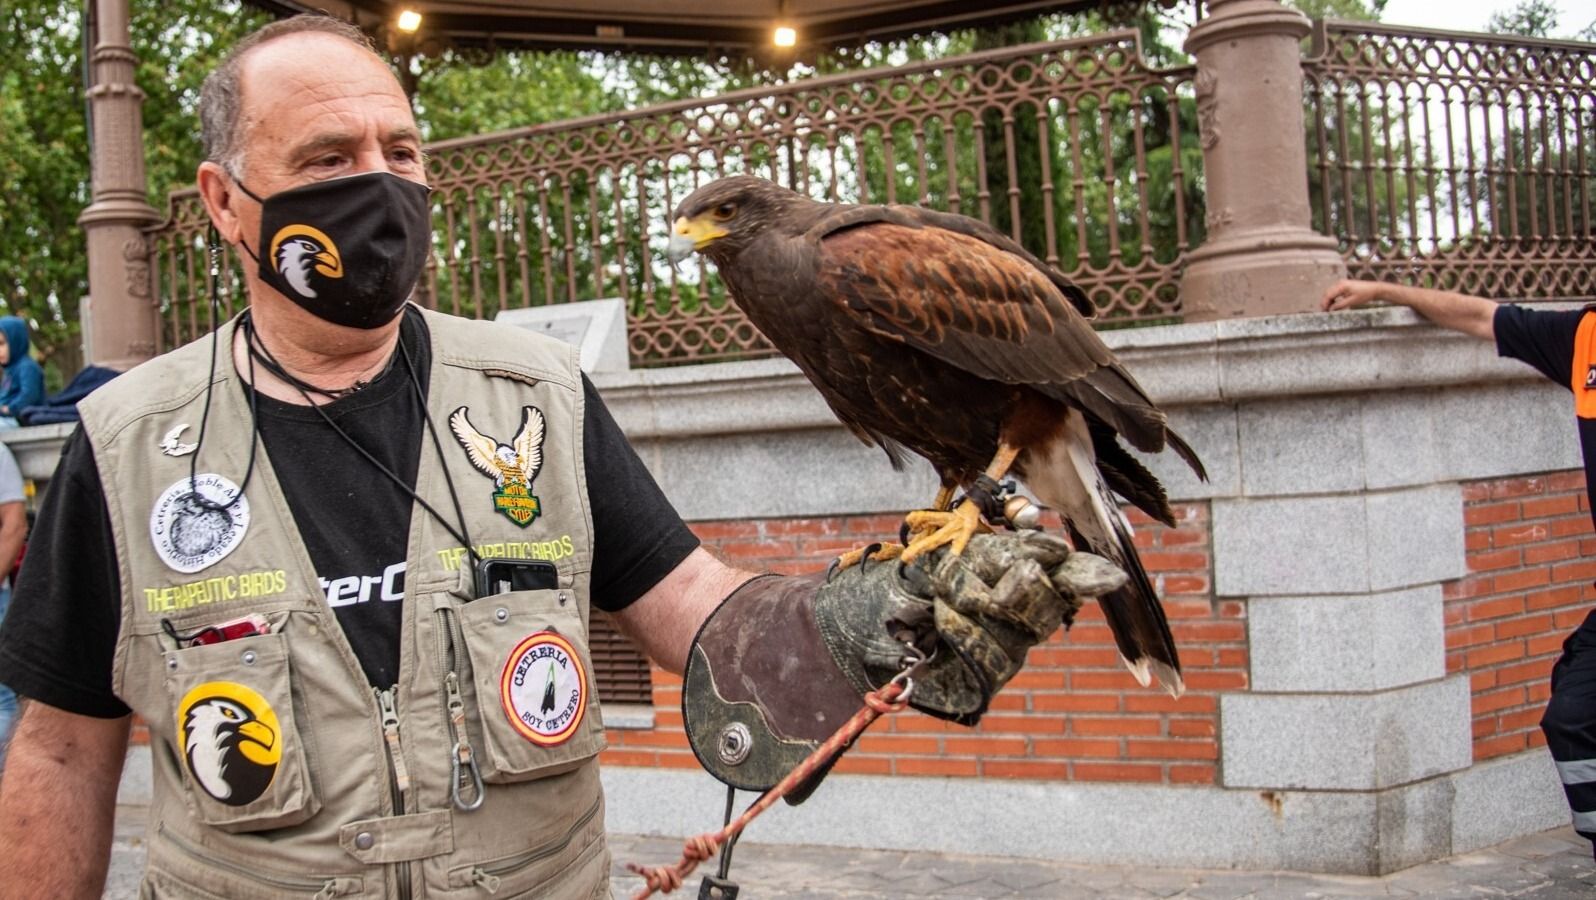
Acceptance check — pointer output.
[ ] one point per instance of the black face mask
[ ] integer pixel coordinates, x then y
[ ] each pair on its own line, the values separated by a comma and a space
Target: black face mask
347, 250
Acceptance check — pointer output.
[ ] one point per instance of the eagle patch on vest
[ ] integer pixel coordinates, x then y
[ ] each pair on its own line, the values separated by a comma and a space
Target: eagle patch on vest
512, 466
190, 535
230, 740
544, 689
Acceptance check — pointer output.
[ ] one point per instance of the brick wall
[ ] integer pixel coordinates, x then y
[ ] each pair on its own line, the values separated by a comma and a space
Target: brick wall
1073, 713
1530, 557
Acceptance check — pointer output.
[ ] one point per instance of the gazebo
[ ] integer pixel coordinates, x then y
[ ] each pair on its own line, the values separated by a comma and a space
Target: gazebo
1268, 237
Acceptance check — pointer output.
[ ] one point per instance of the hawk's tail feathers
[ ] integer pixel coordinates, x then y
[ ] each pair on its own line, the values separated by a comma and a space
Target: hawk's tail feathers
1136, 617
1179, 445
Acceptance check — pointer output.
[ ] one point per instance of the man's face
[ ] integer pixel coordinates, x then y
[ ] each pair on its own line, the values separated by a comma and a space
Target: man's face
314, 107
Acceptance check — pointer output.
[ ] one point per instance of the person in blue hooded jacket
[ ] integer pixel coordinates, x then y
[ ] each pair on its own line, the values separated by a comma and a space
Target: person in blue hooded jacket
23, 384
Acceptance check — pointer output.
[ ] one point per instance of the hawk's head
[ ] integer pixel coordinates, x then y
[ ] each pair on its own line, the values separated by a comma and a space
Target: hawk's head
232, 754
724, 216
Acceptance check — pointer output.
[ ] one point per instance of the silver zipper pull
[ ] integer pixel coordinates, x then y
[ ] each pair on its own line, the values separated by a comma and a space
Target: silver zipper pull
465, 761
390, 731
481, 878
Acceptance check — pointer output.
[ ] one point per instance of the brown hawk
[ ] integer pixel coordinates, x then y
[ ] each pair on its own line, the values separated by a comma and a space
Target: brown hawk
933, 332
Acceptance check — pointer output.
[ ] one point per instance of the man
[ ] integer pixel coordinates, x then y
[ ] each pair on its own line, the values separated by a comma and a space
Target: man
13, 531
1562, 345
344, 572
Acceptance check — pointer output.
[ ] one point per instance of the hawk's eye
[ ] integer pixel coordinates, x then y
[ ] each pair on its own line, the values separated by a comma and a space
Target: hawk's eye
231, 714
725, 211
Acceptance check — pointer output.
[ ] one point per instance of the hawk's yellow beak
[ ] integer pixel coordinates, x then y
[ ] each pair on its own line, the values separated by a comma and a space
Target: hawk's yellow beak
690, 235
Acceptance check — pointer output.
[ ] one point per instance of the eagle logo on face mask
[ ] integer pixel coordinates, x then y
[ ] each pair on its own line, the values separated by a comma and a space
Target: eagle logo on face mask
297, 250
231, 741
512, 466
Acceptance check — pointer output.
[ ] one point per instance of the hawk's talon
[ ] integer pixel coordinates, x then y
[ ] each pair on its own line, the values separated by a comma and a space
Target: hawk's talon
936, 529
876, 551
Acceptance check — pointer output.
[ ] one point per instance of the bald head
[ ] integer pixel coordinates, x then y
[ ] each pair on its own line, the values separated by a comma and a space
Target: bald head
222, 128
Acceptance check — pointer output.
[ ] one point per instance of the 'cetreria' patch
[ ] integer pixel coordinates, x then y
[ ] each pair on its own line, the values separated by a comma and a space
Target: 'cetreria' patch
544, 689
230, 739
190, 535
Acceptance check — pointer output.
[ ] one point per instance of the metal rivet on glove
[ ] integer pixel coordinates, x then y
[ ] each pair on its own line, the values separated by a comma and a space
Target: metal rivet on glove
735, 744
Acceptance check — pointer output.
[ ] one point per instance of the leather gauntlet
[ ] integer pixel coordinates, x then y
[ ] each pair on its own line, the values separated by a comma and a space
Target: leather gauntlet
784, 661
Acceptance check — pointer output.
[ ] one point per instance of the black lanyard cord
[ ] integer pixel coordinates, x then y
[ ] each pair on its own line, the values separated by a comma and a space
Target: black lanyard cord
437, 445
257, 346
210, 385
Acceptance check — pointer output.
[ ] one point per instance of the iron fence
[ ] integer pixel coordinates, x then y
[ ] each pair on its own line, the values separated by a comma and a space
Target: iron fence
1454, 160
1079, 149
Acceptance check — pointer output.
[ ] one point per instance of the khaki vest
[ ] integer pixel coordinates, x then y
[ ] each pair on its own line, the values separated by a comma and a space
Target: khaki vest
279, 771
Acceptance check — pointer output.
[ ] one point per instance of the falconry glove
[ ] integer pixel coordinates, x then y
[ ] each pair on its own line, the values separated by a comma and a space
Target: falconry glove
785, 661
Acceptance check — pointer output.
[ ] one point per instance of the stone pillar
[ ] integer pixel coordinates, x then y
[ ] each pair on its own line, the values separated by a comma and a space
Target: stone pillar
120, 316
1261, 256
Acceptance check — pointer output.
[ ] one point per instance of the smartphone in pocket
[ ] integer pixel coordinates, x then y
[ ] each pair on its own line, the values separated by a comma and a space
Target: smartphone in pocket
498, 575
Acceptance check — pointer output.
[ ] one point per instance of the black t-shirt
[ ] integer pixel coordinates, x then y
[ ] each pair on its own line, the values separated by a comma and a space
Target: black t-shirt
57, 642
1545, 340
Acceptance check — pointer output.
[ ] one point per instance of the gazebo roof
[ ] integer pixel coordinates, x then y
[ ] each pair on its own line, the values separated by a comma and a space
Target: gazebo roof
684, 26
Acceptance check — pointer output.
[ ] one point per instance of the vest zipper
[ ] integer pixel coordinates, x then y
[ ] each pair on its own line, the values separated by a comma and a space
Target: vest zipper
324, 887
464, 772
398, 773
487, 877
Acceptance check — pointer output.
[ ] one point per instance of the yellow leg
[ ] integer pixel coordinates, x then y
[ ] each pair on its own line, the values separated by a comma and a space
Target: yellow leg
953, 527
872, 552
883, 552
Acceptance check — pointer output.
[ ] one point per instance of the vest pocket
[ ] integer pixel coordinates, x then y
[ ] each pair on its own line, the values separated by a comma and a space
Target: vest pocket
534, 683
239, 752
550, 870
181, 870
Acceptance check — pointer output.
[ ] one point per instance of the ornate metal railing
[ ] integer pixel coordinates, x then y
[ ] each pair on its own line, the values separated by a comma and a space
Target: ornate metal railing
1078, 149
1454, 160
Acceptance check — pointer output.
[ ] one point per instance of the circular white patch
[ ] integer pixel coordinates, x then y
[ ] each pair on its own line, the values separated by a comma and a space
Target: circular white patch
190, 536
544, 689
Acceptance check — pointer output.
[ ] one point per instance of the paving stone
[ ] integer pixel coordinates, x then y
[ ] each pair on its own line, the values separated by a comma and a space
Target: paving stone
1554, 865
1536, 846
1220, 890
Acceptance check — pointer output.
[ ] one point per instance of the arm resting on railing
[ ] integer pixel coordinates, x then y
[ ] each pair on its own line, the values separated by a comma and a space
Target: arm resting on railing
1448, 309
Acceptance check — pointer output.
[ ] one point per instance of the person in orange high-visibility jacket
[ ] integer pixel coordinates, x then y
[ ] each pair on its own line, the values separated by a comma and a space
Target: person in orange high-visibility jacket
1561, 344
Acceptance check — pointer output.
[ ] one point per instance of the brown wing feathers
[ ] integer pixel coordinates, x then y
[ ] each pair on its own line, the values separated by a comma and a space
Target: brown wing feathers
997, 315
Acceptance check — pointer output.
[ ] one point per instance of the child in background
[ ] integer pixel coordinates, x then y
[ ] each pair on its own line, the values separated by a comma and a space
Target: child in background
23, 385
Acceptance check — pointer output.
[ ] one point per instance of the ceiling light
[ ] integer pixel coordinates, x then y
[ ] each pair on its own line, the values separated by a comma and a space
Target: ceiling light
785, 36
409, 21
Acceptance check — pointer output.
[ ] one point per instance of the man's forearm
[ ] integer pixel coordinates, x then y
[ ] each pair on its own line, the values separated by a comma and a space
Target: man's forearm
1448, 309
58, 804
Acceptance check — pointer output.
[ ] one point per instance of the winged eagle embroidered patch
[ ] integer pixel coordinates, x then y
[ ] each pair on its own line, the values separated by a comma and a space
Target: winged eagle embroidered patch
512, 466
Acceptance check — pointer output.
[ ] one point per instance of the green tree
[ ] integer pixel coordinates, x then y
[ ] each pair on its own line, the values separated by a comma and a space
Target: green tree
1529, 18
44, 142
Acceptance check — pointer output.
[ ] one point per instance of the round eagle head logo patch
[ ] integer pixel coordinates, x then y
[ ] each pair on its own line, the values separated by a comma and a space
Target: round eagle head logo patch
189, 530
544, 689
298, 250
231, 741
